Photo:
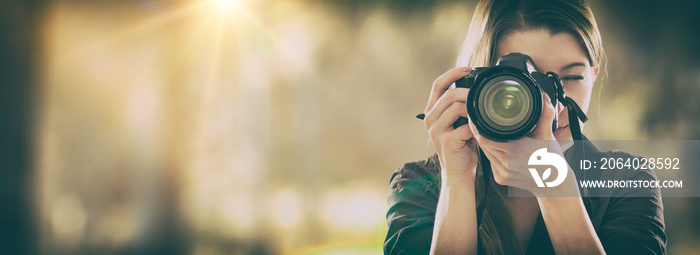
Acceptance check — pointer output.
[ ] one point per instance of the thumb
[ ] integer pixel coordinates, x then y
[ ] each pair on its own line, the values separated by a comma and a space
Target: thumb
543, 131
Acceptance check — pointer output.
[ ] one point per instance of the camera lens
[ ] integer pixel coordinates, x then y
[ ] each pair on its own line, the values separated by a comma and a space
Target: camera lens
508, 102
505, 103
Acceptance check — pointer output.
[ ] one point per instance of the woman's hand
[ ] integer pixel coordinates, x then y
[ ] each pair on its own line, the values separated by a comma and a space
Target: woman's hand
498, 152
445, 106
455, 229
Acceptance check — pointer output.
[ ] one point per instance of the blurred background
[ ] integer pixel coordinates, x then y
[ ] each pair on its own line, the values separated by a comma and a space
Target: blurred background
270, 127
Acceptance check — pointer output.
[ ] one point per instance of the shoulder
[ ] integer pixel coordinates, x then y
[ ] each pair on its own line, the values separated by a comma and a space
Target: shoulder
628, 218
420, 176
413, 197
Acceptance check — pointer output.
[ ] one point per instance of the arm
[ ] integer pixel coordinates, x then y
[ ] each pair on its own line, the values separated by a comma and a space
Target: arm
411, 213
633, 219
455, 229
634, 225
452, 223
416, 220
570, 229
567, 221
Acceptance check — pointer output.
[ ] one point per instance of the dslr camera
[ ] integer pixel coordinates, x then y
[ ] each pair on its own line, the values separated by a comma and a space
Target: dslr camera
505, 100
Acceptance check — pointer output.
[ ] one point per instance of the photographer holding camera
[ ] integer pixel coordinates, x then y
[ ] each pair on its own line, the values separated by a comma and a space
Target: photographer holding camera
525, 72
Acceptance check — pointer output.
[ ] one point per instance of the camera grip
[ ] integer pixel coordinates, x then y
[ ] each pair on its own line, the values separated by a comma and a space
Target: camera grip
464, 82
460, 122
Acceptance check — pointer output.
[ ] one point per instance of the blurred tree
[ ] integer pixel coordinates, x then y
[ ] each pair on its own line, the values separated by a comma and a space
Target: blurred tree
19, 34
663, 35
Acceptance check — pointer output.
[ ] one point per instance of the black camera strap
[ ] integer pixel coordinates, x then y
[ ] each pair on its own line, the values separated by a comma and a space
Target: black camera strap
575, 112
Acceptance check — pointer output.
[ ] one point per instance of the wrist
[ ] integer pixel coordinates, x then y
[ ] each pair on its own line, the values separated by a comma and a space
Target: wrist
559, 202
567, 189
461, 178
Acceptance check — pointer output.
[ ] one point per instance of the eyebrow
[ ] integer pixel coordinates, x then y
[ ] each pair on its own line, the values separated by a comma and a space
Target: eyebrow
572, 65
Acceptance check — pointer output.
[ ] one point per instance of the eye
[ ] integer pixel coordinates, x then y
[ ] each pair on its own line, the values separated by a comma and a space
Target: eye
572, 78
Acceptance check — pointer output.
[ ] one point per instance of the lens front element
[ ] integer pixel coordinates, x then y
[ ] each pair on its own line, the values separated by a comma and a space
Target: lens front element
505, 103
508, 102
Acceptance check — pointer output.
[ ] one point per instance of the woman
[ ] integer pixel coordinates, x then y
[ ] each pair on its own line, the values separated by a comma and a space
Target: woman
433, 204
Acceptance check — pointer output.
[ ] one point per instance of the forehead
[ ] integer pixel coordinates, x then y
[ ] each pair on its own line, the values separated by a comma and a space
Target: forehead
550, 52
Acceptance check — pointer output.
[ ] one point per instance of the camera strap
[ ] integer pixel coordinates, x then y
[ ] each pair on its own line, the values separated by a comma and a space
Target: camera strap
575, 112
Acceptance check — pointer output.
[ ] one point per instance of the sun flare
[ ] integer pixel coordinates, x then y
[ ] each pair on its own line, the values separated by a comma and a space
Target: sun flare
225, 4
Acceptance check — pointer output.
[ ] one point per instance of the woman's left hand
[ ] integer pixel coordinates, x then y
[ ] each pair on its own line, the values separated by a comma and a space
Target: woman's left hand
498, 152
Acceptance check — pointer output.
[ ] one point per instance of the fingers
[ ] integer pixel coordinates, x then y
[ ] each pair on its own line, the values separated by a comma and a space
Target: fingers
447, 100
496, 152
543, 130
486, 143
498, 161
443, 82
458, 139
451, 114
444, 125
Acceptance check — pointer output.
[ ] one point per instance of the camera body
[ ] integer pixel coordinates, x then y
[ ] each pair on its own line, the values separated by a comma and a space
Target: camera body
505, 101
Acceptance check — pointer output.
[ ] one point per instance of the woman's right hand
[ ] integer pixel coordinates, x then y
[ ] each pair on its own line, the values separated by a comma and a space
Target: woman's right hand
455, 230
454, 146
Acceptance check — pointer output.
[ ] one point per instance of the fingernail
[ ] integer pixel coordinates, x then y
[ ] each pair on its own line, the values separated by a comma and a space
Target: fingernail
466, 69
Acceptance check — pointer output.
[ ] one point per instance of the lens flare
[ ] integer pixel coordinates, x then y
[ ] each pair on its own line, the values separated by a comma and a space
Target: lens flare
225, 5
